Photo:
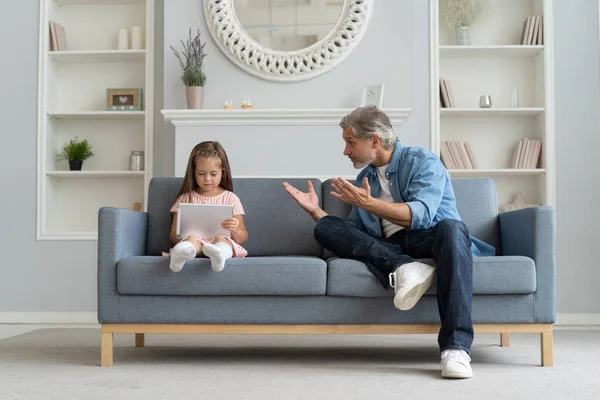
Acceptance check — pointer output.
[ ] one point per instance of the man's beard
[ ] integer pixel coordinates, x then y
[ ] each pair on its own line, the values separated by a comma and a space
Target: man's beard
361, 164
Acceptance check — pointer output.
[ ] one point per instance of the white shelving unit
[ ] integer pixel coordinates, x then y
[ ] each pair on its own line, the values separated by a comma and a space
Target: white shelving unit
98, 56
72, 102
492, 65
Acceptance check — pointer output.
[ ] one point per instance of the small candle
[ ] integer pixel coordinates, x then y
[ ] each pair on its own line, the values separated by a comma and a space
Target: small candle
122, 40
136, 37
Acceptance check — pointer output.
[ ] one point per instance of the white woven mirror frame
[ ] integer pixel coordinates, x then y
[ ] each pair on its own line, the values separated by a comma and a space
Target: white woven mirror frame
288, 66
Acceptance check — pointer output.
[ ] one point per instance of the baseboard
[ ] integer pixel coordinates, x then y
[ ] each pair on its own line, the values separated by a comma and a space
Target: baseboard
576, 319
48, 317
564, 319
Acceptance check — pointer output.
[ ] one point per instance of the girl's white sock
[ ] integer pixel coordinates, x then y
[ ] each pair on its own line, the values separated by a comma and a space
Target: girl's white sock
182, 252
217, 253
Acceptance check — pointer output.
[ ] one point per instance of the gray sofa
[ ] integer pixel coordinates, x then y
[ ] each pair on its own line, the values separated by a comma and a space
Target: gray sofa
289, 284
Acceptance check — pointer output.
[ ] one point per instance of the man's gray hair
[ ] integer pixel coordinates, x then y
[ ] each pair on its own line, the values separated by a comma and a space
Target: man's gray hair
368, 121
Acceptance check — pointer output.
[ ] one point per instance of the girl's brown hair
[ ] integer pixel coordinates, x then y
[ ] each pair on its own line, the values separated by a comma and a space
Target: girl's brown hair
206, 149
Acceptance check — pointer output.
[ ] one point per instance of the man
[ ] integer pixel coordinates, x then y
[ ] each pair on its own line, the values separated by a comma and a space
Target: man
404, 209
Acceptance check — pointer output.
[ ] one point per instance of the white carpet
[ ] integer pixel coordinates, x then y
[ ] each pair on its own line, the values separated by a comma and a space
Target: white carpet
63, 364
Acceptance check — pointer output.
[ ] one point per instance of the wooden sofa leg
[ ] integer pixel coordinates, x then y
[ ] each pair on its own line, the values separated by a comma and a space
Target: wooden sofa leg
505, 339
106, 344
139, 340
547, 349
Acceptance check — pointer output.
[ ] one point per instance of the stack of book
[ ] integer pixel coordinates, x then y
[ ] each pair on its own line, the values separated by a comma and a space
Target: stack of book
446, 99
533, 31
526, 154
458, 155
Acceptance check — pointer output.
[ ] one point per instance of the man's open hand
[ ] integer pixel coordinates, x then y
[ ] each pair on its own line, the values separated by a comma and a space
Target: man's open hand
308, 201
348, 193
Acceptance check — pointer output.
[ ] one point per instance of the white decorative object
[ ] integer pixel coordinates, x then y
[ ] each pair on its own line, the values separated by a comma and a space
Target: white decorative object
137, 42
460, 15
515, 98
287, 66
372, 95
463, 36
123, 39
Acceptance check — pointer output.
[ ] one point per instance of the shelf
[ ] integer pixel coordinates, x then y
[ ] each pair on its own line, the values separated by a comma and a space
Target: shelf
83, 235
262, 117
94, 174
103, 115
97, 2
491, 112
97, 56
496, 172
491, 51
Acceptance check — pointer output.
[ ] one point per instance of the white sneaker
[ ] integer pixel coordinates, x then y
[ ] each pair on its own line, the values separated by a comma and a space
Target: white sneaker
456, 364
410, 282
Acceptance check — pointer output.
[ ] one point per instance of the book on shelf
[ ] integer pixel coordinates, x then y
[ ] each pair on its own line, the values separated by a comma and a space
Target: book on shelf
533, 31
446, 98
458, 155
526, 154
58, 37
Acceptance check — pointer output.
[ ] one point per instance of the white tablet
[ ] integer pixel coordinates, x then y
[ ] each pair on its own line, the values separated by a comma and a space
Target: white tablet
202, 220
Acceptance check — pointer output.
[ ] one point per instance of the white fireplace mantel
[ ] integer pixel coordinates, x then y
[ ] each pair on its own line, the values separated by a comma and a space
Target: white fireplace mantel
270, 143
270, 117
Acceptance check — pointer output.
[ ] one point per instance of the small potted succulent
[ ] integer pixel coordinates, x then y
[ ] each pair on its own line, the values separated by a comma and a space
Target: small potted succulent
76, 151
191, 60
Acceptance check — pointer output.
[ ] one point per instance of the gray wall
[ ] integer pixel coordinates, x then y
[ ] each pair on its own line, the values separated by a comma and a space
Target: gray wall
59, 276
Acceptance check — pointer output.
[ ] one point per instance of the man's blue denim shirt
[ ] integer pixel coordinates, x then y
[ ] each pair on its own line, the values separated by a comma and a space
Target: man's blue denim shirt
418, 178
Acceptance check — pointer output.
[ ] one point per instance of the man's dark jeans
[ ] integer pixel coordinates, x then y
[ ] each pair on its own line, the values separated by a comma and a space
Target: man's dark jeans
448, 243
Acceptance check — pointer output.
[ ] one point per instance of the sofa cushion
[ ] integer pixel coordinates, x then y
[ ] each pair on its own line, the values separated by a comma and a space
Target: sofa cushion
491, 275
277, 226
477, 205
264, 276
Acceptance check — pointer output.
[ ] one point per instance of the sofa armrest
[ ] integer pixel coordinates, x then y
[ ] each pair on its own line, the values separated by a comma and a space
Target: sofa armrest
530, 232
121, 234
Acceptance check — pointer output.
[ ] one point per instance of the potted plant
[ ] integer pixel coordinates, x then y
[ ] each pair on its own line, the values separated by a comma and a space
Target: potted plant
76, 151
460, 15
191, 60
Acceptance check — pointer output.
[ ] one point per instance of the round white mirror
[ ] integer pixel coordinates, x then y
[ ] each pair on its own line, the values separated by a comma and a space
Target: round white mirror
287, 40
287, 25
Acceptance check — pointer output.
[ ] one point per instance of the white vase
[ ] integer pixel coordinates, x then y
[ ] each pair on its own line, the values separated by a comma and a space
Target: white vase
515, 98
463, 36
195, 97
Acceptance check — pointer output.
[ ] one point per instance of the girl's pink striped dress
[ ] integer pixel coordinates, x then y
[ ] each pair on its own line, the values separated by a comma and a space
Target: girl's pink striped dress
225, 198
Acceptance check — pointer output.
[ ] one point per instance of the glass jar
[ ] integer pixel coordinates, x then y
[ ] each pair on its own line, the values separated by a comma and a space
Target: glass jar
136, 161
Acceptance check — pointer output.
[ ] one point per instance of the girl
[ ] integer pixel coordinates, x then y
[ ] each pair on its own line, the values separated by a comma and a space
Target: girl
208, 181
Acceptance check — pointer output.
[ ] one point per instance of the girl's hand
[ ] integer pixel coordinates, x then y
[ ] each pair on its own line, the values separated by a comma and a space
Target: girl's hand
231, 224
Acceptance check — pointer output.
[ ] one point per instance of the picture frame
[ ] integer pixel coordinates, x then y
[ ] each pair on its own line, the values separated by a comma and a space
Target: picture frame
124, 99
373, 95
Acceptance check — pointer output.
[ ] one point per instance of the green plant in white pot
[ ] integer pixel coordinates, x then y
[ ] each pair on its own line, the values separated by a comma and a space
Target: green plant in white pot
460, 16
191, 60
76, 152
